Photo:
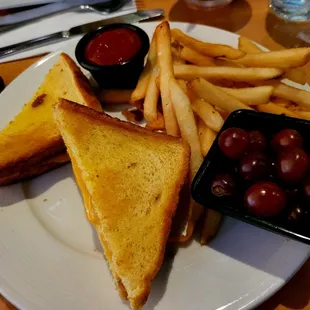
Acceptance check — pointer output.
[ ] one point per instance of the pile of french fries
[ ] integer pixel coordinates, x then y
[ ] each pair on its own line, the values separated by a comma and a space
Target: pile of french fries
189, 87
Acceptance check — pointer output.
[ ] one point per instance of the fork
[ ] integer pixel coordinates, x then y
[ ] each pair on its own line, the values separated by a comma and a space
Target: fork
104, 8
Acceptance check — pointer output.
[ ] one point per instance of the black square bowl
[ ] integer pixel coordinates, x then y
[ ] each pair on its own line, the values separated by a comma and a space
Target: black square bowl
216, 162
120, 76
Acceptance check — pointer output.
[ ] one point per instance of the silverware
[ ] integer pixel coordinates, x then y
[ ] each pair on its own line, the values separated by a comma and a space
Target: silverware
79, 30
33, 15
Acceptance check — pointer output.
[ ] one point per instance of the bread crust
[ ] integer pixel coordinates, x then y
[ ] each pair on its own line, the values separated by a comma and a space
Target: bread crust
82, 83
28, 172
115, 122
138, 297
22, 165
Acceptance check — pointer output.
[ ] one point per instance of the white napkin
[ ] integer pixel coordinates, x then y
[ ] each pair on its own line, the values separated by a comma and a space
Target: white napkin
9, 4
51, 25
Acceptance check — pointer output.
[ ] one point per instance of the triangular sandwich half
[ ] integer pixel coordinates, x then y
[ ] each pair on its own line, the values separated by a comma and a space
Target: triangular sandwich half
31, 144
130, 180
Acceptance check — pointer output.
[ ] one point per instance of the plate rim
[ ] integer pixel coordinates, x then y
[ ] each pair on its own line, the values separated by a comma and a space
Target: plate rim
8, 293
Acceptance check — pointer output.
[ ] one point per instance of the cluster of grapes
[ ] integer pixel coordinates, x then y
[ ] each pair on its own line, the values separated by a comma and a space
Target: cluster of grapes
276, 173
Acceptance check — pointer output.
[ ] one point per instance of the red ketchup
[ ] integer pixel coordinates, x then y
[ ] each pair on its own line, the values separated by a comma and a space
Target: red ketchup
113, 47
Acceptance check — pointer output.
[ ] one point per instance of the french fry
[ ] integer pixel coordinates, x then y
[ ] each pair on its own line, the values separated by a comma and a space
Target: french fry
157, 124
304, 114
249, 47
195, 57
208, 49
281, 102
133, 115
296, 75
116, 96
284, 59
301, 97
151, 98
217, 97
157, 81
140, 90
183, 85
176, 59
251, 95
220, 62
286, 104
189, 230
206, 137
187, 124
189, 133
190, 72
175, 51
208, 114
275, 109
164, 59
211, 226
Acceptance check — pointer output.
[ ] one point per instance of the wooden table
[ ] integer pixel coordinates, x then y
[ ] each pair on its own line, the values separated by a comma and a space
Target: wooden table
252, 19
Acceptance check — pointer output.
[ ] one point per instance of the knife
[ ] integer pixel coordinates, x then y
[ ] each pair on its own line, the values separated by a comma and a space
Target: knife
76, 31
45, 10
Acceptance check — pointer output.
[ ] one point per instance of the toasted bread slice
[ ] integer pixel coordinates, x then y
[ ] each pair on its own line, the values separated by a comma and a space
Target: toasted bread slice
33, 136
23, 173
130, 180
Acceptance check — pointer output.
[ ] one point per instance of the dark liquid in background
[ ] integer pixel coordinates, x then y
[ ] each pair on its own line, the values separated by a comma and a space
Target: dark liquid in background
231, 17
286, 33
237, 14
207, 4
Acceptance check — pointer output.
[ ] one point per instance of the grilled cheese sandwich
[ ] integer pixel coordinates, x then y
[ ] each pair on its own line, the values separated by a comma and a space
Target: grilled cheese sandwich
32, 138
130, 180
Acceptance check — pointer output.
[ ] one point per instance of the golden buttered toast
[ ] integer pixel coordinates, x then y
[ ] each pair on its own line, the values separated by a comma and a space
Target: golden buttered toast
130, 180
32, 137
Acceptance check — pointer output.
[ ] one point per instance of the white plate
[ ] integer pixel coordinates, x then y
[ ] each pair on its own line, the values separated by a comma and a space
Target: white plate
50, 257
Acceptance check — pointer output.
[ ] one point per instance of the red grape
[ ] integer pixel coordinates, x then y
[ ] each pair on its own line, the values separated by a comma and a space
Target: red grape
257, 141
306, 188
254, 166
223, 185
234, 142
286, 138
265, 199
298, 215
273, 169
292, 165
293, 194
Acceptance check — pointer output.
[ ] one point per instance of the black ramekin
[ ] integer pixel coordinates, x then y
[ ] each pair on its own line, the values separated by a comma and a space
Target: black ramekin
124, 75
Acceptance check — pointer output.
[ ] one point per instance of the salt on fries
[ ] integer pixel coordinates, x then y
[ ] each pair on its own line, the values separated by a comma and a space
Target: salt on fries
189, 87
